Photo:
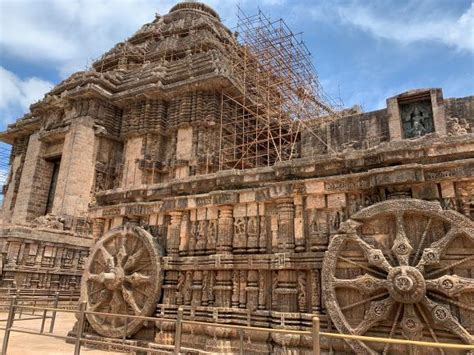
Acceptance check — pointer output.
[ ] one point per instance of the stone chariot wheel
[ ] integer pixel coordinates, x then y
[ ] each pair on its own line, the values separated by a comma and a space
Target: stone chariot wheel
122, 275
402, 269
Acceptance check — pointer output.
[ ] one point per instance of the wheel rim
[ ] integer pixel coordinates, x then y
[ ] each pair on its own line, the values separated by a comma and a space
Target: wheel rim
123, 275
400, 281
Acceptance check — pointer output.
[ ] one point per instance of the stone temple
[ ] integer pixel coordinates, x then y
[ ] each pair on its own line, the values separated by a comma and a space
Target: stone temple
196, 167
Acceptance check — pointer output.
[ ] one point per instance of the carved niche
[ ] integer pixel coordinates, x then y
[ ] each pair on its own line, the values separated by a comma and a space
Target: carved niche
417, 118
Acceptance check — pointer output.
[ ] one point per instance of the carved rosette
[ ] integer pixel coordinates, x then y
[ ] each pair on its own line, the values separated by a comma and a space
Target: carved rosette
399, 269
123, 275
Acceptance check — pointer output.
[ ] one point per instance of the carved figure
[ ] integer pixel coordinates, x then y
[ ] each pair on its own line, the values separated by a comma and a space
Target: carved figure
122, 274
413, 277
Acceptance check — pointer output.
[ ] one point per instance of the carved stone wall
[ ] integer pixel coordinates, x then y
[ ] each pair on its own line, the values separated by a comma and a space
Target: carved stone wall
138, 137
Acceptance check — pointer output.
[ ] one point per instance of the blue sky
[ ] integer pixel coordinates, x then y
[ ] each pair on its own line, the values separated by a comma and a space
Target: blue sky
364, 51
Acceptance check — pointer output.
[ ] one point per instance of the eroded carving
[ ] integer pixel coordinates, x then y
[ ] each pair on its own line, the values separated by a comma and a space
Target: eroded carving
397, 278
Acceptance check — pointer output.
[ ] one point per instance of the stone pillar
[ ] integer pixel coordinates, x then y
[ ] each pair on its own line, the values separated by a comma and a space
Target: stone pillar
132, 175
28, 191
77, 170
300, 244
235, 288
98, 227
12, 255
262, 290
187, 291
225, 230
242, 289
174, 230
286, 229
196, 288
223, 288
287, 291
315, 291
184, 235
252, 290
439, 114
8, 202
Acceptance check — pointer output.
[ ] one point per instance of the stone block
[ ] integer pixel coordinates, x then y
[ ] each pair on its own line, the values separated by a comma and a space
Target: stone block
314, 187
212, 213
240, 210
252, 209
315, 201
425, 191
247, 196
201, 214
447, 189
336, 200
184, 144
117, 221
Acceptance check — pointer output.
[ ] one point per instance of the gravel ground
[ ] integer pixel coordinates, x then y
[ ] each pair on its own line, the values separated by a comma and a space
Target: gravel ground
26, 344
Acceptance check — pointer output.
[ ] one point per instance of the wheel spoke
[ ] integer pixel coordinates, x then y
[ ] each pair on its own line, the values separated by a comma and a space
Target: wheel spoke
377, 312
374, 256
451, 285
95, 277
367, 300
422, 240
430, 328
365, 284
134, 259
442, 316
411, 324
108, 258
143, 293
104, 299
453, 302
432, 255
133, 247
116, 306
137, 279
128, 296
121, 255
355, 263
402, 248
392, 329
450, 266
95, 291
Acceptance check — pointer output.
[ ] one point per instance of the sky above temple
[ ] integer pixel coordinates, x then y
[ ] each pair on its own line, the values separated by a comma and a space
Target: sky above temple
364, 51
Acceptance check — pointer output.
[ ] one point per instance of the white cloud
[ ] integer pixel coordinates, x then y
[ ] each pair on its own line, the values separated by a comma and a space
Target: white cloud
417, 21
16, 94
70, 34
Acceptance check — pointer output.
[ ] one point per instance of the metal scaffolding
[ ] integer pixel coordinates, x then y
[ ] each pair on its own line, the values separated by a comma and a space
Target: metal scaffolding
274, 93
277, 93
4, 167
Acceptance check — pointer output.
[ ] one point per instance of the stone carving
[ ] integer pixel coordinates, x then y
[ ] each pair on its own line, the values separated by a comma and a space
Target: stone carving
458, 127
404, 277
302, 291
240, 235
243, 234
211, 236
180, 288
252, 234
49, 221
123, 273
201, 237
417, 118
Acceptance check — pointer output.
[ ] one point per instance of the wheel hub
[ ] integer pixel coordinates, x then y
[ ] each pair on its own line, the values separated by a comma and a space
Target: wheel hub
406, 284
114, 279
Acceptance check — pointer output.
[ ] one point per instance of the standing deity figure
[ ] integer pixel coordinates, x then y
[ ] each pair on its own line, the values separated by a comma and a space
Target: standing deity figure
418, 128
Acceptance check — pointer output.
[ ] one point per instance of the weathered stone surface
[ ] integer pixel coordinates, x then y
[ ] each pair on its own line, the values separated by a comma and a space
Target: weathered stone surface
127, 154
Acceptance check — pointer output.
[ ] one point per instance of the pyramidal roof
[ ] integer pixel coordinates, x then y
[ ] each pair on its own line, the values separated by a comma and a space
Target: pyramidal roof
186, 46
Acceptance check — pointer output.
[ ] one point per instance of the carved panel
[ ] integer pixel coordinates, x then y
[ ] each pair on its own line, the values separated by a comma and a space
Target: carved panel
417, 118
